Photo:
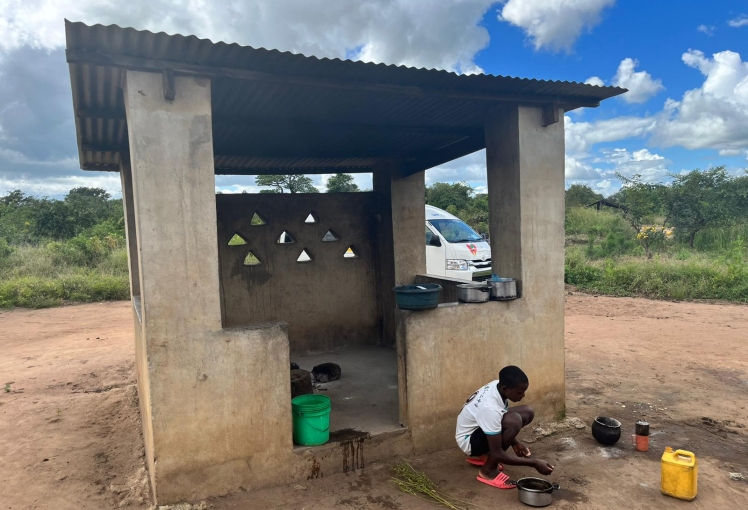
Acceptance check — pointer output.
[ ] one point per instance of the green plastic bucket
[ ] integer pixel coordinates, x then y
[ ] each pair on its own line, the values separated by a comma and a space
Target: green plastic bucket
311, 419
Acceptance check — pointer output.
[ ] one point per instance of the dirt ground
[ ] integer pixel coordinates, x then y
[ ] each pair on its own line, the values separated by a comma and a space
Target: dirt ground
70, 430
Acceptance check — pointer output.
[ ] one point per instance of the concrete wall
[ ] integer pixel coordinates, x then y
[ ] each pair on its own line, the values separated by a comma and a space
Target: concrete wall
451, 351
328, 303
215, 403
402, 215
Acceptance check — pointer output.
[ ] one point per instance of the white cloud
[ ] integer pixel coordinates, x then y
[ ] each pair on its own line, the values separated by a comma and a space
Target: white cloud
640, 84
606, 187
445, 35
582, 136
60, 185
740, 21
579, 170
713, 116
594, 80
651, 167
708, 30
554, 24
470, 168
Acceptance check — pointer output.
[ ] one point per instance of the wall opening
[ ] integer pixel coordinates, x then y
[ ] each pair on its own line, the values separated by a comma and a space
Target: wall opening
330, 236
257, 220
237, 240
311, 219
304, 256
251, 260
286, 238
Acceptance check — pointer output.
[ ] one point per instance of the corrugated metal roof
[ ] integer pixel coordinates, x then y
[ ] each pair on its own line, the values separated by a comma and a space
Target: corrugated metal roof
293, 112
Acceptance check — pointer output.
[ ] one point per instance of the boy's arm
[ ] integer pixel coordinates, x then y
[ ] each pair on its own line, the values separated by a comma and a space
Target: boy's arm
497, 453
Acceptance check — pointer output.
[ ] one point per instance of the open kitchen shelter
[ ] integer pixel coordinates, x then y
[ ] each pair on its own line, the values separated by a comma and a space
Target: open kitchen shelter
227, 289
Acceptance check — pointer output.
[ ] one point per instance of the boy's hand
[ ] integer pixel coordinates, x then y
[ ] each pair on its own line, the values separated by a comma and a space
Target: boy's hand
521, 450
543, 467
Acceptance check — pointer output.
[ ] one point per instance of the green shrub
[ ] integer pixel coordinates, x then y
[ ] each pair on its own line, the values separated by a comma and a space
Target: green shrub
661, 278
36, 292
584, 220
41, 276
5, 249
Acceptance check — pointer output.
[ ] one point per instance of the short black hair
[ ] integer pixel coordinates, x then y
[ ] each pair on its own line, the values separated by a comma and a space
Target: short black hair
511, 377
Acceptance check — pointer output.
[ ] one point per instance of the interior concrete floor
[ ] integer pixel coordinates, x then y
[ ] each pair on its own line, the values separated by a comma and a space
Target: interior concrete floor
365, 398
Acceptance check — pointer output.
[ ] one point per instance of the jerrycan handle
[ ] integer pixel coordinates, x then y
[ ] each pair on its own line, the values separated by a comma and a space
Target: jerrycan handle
689, 455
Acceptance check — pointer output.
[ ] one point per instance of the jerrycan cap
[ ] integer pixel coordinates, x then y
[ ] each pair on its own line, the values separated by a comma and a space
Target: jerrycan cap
668, 449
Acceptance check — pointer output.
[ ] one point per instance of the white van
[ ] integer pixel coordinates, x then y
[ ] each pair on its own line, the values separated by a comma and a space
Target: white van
453, 249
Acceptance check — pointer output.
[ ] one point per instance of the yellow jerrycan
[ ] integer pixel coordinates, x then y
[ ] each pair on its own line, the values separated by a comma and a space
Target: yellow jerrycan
679, 473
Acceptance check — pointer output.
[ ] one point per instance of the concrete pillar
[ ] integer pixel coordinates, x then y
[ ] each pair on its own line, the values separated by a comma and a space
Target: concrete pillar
525, 170
170, 185
525, 173
215, 403
402, 218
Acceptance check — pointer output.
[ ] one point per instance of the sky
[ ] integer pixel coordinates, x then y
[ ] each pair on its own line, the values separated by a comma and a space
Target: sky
687, 105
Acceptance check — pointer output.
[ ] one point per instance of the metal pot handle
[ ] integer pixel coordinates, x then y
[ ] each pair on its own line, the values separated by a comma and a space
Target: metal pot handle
555, 486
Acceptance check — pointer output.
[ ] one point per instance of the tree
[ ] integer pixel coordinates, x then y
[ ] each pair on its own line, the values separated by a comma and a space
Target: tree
54, 220
580, 195
476, 214
442, 195
644, 200
697, 200
286, 183
341, 183
87, 207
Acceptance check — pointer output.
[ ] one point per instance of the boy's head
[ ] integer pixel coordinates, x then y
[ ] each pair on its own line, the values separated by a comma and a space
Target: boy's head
513, 383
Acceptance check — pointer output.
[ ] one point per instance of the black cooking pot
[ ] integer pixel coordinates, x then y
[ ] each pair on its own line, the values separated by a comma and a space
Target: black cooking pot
606, 431
536, 491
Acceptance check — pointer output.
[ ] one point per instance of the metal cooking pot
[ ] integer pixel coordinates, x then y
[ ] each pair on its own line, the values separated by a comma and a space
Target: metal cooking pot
536, 491
503, 290
473, 292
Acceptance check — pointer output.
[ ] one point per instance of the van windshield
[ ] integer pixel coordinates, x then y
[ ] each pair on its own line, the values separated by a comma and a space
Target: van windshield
456, 231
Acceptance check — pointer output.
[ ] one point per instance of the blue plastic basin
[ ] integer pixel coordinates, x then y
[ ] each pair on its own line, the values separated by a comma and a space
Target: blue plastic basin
422, 296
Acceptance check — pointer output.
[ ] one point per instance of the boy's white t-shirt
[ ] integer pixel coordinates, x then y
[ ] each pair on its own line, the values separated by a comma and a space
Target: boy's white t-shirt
483, 410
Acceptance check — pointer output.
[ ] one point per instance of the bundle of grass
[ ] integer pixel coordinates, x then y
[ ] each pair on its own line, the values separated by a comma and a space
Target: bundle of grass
412, 481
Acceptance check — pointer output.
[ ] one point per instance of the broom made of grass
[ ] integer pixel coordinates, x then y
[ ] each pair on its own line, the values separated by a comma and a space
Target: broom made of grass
412, 481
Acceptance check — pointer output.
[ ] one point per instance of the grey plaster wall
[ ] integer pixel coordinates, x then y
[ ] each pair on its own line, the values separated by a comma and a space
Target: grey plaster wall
329, 302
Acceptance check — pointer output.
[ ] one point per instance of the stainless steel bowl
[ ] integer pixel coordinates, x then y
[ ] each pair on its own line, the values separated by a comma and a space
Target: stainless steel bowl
536, 491
473, 292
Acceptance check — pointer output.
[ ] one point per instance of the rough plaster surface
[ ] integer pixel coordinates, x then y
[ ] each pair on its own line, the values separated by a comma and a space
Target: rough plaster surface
216, 403
402, 216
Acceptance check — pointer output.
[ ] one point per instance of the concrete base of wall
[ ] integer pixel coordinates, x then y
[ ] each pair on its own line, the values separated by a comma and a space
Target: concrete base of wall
450, 352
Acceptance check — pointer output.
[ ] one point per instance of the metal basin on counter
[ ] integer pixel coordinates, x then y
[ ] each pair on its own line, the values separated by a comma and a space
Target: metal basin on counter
473, 292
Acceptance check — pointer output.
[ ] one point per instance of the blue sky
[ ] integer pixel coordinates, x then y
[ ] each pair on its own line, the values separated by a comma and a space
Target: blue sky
686, 64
